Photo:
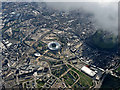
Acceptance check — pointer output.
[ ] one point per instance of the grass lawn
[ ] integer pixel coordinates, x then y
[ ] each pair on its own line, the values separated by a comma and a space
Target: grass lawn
118, 69
68, 79
40, 83
84, 78
59, 70
69, 66
73, 74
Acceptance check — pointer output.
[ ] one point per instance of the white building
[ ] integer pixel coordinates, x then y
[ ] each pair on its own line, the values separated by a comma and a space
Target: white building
37, 54
88, 71
54, 45
9, 44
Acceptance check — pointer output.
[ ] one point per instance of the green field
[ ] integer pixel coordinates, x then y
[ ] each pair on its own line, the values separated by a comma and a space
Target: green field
84, 79
118, 70
68, 79
40, 83
58, 71
69, 66
73, 74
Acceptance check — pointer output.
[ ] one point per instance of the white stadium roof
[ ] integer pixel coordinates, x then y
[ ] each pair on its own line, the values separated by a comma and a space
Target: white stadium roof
56, 47
88, 71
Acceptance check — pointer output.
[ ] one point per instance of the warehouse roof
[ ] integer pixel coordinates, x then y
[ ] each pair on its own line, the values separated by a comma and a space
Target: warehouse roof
88, 71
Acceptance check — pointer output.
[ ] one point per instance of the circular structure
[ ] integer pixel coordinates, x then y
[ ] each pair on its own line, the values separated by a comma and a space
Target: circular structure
54, 45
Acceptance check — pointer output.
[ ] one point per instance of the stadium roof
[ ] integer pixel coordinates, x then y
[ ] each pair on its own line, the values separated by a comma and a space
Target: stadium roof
88, 71
54, 45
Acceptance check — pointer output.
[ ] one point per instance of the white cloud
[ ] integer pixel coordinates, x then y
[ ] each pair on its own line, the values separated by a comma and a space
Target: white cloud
106, 13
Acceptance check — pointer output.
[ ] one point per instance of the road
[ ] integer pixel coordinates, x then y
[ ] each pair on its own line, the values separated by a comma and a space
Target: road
100, 82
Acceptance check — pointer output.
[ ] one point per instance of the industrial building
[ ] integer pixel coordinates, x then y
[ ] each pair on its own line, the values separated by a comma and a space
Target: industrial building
88, 71
37, 54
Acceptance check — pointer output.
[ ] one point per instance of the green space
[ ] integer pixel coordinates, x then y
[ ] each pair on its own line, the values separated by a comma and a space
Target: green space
118, 69
68, 78
69, 66
84, 78
73, 74
58, 71
26, 80
83, 83
40, 83
80, 84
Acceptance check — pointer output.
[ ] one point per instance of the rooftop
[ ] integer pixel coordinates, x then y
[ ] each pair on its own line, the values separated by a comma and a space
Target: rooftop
88, 71
54, 45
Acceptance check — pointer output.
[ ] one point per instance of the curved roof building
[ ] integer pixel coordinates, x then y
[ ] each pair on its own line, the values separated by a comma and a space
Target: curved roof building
54, 45
37, 54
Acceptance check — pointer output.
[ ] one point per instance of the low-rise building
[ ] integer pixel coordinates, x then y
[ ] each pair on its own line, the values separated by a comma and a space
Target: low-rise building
88, 71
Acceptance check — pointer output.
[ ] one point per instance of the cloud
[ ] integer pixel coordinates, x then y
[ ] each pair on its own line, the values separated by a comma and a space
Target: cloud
105, 13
